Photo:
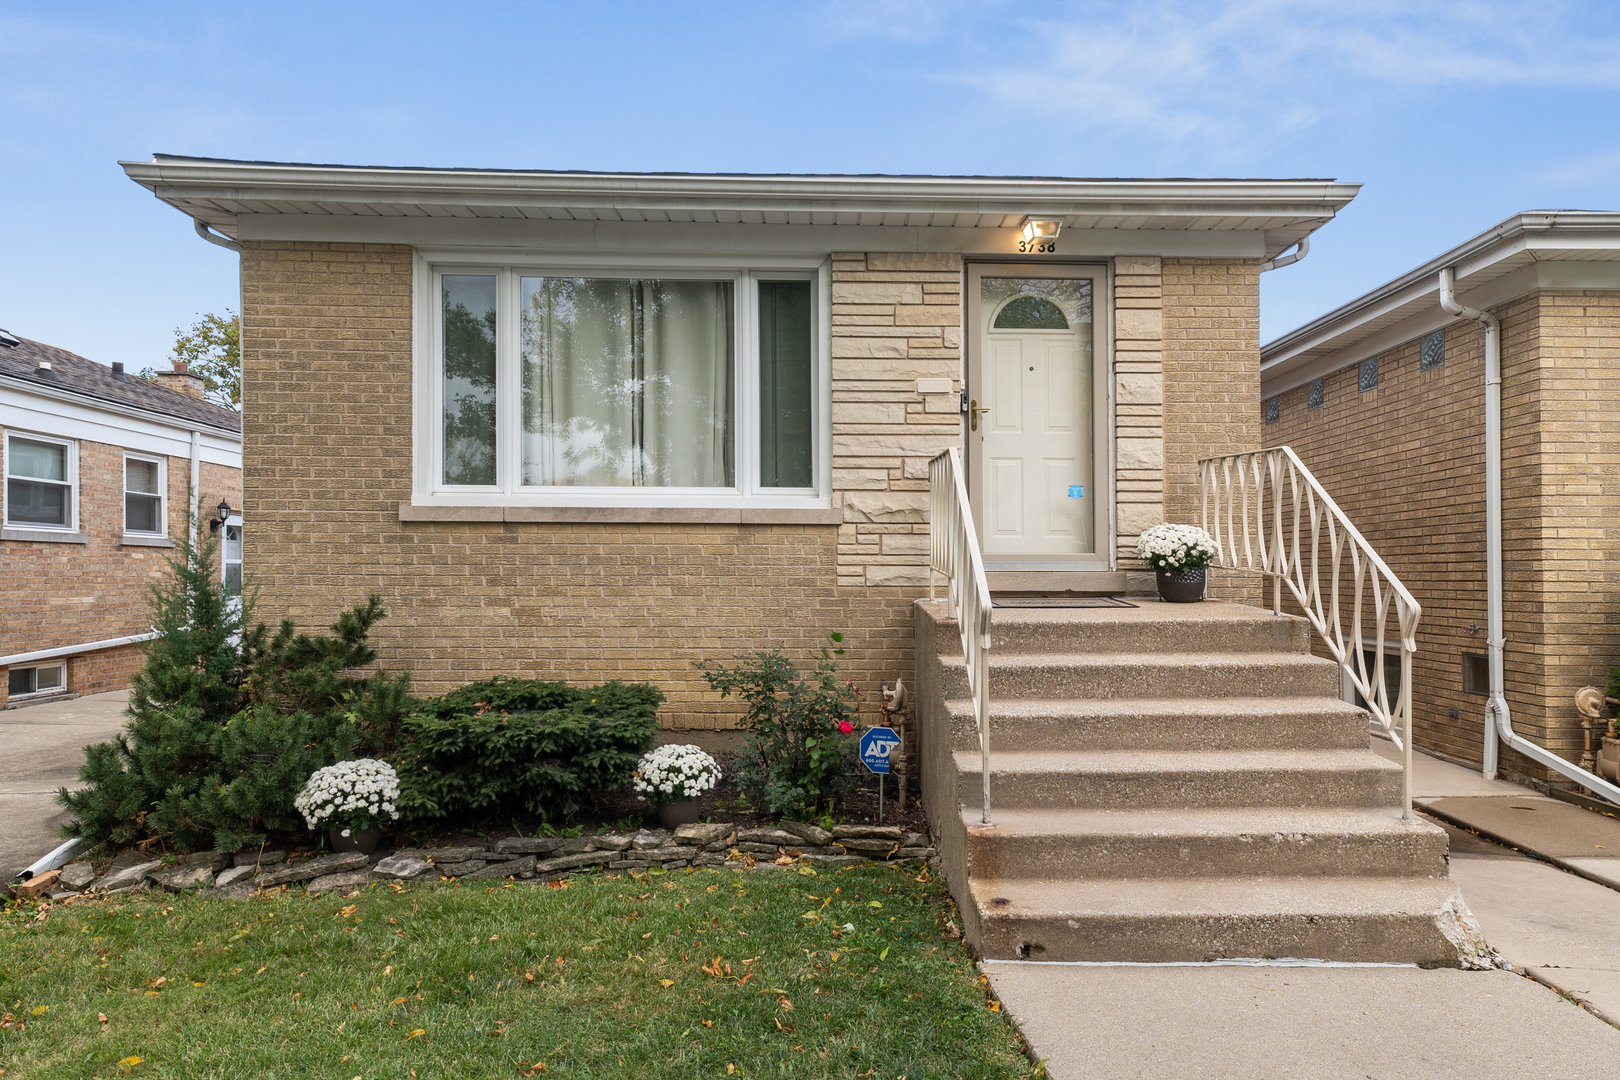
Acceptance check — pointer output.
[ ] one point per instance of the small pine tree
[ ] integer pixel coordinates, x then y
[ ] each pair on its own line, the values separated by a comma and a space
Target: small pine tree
226, 722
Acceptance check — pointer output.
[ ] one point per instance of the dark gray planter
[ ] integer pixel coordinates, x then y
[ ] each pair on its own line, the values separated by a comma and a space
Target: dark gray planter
362, 840
1181, 586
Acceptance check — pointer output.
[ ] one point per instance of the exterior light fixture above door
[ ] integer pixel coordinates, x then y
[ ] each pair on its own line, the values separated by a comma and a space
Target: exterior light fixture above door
1039, 236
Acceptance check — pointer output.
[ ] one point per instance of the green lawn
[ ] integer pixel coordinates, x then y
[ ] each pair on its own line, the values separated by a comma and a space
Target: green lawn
691, 973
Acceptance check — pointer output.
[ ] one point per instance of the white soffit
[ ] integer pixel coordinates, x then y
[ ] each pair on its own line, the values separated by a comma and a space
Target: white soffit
217, 192
1544, 249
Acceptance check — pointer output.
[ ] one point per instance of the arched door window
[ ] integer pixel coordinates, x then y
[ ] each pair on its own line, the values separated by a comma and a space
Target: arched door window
1030, 313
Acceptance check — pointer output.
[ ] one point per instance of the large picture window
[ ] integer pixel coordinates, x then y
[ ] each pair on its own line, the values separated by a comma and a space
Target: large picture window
597, 388
39, 483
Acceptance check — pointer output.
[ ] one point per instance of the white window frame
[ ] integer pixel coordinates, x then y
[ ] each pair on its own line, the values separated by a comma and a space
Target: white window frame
72, 446
162, 493
233, 520
428, 488
36, 669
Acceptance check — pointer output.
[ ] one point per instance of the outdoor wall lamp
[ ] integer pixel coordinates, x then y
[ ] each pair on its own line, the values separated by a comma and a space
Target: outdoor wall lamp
1041, 230
224, 511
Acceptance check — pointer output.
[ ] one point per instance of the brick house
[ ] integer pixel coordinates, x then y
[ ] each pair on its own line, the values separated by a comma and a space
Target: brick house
586, 426
1384, 399
97, 467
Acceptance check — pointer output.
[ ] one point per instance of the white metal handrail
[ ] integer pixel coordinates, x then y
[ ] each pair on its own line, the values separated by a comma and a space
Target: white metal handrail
953, 546
1253, 505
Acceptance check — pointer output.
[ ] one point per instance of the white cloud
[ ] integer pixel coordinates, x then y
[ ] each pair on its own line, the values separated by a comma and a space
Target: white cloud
1582, 172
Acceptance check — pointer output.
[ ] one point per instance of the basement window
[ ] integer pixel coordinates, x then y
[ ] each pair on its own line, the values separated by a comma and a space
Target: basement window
1476, 674
1392, 678
46, 679
1367, 375
1432, 350
1316, 394
1273, 409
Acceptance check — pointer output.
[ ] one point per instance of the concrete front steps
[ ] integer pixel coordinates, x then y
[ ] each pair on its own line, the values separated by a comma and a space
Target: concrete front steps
1173, 783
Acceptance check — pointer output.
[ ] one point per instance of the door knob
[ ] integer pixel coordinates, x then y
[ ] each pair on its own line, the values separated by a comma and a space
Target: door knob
973, 414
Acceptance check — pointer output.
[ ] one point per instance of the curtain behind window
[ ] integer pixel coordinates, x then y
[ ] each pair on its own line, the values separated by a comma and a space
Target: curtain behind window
627, 383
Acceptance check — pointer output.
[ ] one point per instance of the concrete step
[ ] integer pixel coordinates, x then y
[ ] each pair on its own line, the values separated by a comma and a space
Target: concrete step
1169, 779
1293, 842
1159, 675
1233, 723
1164, 920
1148, 628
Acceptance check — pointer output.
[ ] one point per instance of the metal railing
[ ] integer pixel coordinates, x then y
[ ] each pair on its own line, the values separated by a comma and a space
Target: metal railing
1254, 505
953, 546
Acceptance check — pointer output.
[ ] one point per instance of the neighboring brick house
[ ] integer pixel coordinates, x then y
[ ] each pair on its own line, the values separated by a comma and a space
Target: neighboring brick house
97, 464
1384, 400
592, 426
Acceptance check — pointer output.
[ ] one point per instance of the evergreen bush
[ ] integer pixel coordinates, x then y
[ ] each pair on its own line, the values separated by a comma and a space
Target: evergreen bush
227, 722
796, 758
518, 745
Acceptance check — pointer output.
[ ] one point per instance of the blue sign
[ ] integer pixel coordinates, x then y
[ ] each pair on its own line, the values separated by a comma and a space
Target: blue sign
875, 747
1077, 491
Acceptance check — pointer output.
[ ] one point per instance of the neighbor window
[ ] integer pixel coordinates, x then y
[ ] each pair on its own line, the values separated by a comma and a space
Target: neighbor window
1273, 409
1476, 674
46, 679
1392, 677
576, 386
39, 482
230, 556
143, 495
1316, 393
1367, 375
1432, 350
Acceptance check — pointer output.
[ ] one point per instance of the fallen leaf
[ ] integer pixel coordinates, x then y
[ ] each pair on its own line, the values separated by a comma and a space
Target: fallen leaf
130, 1062
102, 1018
995, 1006
416, 1034
666, 982
708, 1023
41, 1010
345, 912
714, 969
784, 1027
745, 979
157, 984
399, 1001
389, 970
884, 955
730, 1068
787, 1005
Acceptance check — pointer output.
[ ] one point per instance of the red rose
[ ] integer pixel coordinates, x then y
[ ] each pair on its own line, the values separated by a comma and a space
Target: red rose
845, 726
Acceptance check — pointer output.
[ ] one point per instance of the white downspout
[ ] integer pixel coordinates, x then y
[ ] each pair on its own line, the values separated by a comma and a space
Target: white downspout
196, 485
1301, 249
1498, 718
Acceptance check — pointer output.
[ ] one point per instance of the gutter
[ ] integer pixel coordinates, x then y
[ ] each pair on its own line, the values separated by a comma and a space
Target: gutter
1498, 717
1302, 249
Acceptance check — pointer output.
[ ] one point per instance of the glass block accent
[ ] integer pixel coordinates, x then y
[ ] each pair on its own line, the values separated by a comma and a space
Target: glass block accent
1316, 394
1433, 350
1273, 411
1367, 375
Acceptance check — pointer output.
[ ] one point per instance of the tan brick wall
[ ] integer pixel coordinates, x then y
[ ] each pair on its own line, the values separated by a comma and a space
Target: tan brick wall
896, 318
70, 594
327, 368
1406, 462
1211, 375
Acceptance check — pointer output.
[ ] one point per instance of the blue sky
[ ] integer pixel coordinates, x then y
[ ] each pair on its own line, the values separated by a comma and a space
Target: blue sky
1454, 115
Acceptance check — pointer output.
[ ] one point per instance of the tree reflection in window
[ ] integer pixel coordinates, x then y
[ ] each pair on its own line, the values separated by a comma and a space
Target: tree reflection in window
469, 379
1031, 313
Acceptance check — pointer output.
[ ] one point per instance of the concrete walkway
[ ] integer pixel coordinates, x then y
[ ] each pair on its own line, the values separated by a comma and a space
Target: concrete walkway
41, 749
1384, 1023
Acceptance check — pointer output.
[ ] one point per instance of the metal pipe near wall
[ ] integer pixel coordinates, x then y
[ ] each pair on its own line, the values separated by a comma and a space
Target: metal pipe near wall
1498, 718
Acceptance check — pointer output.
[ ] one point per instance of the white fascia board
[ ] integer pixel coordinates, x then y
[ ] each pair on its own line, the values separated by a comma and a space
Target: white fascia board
1278, 379
195, 178
1538, 236
699, 238
73, 416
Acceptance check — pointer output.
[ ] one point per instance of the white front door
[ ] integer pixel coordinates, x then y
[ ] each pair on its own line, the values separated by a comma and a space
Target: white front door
1038, 425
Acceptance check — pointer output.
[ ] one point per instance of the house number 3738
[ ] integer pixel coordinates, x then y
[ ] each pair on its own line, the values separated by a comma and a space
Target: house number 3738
1042, 247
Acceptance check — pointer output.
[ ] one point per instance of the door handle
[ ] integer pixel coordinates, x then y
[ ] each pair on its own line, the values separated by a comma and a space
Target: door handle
973, 414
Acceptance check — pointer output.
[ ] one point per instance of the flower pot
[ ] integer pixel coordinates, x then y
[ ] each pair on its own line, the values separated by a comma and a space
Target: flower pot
679, 812
1608, 759
362, 840
1181, 586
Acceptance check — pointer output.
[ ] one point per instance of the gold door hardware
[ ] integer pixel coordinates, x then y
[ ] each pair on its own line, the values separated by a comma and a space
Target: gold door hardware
973, 414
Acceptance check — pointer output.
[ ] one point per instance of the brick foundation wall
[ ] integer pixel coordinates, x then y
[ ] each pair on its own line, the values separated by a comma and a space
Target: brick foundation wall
1406, 462
70, 594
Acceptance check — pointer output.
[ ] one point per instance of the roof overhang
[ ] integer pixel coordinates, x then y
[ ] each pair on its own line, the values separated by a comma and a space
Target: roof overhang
1541, 249
224, 194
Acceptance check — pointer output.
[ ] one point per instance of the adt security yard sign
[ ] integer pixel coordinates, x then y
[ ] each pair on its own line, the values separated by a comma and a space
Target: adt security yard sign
875, 747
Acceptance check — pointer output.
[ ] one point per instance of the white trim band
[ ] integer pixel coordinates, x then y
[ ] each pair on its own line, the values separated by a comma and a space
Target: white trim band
73, 650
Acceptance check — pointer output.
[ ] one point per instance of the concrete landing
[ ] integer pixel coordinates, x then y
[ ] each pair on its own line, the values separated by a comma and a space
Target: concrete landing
1263, 1023
41, 749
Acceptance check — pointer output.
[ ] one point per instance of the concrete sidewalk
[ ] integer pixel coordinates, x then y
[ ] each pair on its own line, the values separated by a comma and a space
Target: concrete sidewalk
41, 749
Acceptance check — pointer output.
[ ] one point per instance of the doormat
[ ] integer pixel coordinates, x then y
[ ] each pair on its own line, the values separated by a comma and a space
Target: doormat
1057, 602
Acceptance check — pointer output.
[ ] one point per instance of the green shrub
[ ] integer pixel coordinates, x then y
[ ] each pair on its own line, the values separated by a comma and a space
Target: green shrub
800, 746
226, 722
517, 745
